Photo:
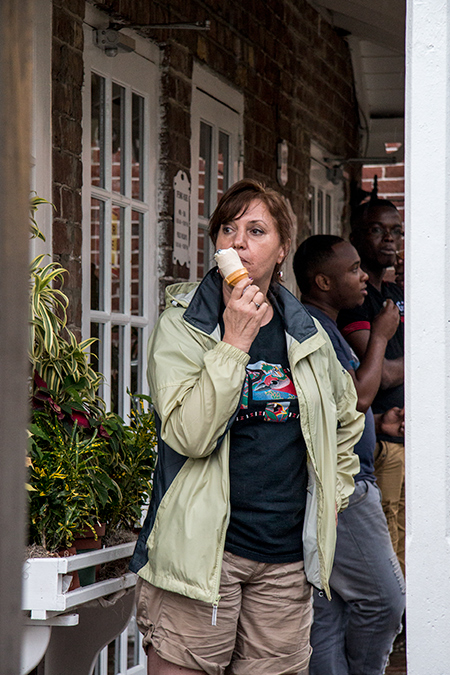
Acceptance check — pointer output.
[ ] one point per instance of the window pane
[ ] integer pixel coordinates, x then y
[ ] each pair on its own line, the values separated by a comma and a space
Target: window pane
223, 164
97, 253
116, 373
96, 351
328, 213
320, 229
137, 135
117, 130
205, 252
200, 253
114, 657
133, 644
204, 170
116, 259
312, 208
97, 130
137, 248
136, 342
96, 347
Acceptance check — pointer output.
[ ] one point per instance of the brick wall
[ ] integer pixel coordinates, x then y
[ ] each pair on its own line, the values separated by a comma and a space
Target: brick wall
292, 67
391, 183
67, 79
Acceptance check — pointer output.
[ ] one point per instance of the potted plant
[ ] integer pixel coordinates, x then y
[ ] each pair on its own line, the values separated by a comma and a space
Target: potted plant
87, 467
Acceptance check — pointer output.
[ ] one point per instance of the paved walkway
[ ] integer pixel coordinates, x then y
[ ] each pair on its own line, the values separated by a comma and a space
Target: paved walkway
397, 661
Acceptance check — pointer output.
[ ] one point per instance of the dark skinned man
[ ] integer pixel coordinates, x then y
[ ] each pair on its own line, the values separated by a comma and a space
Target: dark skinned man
377, 234
354, 632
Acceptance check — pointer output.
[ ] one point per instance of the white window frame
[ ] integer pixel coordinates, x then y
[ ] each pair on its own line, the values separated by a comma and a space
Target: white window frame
221, 106
137, 72
330, 192
41, 139
120, 646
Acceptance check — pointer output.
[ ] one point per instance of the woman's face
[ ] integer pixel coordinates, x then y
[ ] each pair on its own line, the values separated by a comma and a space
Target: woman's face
255, 237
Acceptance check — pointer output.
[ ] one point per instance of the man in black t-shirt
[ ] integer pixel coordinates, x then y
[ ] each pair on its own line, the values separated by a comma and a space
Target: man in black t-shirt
377, 234
353, 633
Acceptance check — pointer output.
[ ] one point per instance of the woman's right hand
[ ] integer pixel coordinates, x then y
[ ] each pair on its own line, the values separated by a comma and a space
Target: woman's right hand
242, 317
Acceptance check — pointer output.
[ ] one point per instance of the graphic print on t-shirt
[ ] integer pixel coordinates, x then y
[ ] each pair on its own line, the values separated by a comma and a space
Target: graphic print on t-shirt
268, 392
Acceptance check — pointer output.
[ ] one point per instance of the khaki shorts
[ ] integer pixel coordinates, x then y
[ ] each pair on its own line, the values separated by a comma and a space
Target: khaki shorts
263, 621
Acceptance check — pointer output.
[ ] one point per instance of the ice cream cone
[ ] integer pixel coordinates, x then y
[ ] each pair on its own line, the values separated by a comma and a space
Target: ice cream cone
234, 278
230, 265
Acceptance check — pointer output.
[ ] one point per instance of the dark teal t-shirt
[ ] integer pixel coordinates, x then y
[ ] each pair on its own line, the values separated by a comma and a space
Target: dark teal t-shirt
268, 475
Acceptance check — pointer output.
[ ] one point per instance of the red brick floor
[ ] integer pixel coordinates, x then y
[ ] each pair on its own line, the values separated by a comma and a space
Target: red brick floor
397, 661
397, 665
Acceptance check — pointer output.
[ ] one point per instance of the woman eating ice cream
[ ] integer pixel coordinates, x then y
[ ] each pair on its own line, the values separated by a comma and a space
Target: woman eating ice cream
256, 423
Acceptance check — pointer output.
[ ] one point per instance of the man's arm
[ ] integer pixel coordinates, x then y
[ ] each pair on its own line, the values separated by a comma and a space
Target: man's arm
392, 371
369, 376
349, 428
392, 422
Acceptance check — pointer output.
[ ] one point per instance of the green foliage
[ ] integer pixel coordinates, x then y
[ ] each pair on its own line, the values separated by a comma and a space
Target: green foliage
35, 202
87, 466
68, 479
88, 470
132, 457
55, 354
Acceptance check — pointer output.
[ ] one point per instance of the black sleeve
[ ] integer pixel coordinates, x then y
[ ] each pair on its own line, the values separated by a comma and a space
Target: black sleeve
351, 320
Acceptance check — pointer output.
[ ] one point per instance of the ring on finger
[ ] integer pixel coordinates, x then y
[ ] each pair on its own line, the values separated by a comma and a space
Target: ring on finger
257, 304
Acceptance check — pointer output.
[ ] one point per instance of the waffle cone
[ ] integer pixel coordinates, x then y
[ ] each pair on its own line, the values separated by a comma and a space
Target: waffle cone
236, 276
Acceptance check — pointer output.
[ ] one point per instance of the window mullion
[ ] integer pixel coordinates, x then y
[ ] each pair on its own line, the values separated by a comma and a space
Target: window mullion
145, 154
127, 141
126, 366
146, 252
108, 134
106, 342
214, 168
106, 364
107, 257
214, 183
126, 252
143, 361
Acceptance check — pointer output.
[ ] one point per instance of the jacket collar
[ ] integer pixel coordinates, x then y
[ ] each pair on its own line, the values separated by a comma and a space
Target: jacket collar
206, 305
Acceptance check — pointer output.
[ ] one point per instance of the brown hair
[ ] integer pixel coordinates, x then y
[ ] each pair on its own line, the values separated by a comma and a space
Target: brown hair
237, 199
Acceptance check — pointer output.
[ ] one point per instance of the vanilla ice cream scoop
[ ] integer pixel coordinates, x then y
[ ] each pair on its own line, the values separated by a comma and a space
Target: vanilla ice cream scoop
230, 265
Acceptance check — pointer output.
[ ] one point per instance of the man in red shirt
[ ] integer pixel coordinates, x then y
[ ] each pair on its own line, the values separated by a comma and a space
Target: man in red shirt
377, 234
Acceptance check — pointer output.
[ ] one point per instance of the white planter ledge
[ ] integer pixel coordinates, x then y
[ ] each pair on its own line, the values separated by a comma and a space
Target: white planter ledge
52, 610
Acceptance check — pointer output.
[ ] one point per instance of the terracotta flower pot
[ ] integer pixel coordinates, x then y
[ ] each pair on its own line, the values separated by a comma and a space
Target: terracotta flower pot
86, 541
63, 553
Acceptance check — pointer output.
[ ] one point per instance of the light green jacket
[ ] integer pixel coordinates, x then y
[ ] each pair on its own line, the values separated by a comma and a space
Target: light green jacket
195, 383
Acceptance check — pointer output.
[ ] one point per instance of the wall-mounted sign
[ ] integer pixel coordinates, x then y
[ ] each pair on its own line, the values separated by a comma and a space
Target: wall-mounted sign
282, 163
181, 219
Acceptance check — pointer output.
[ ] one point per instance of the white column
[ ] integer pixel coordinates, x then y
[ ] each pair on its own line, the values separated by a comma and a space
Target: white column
428, 337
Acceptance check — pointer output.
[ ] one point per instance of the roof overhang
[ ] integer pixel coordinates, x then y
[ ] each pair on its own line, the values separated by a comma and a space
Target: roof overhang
376, 36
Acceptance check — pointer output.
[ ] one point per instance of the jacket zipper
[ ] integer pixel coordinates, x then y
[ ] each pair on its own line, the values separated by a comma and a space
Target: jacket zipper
214, 613
215, 604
